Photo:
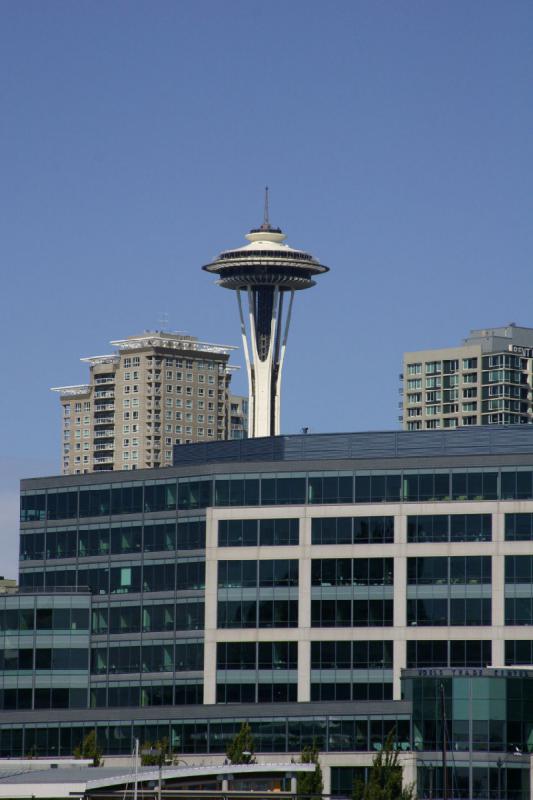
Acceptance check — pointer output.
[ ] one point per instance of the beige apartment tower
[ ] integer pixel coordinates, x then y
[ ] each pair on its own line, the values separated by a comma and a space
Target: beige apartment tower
155, 391
488, 380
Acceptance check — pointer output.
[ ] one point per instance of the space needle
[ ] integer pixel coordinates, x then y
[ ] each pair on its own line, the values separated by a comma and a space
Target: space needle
266, 272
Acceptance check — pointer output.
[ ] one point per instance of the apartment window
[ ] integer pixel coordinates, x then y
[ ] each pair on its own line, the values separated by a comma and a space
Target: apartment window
433, 397
433, 367
416, 397
469, 421
135, 402
127, 362
414, 384
66, 410
126, 443
86, 406
470, 377
188, 404
432, 424
135, 387
450, 366
210, 432
168, 402
189, 377
414, 412
414, 426
433, 383
169, 387
469, 363
433, 411
177, 429
127, 389
136, 361
210, 378
126, 415
168, 428
201, 378
135, 415
126, 403
77, 407
450, 408
414, 369
468, 393
188, 390
134, 428
200, 432
450, 423
127, 376
450, 380
188, 430
135, 455
168, 373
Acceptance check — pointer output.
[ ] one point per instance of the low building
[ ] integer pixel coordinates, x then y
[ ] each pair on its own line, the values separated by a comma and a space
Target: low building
329, 589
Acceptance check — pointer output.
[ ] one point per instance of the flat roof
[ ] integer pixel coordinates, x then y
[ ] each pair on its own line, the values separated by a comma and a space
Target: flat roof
66, 781
480, 445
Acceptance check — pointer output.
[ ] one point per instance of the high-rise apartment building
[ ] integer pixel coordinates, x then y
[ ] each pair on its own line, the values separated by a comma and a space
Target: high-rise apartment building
157, 390
487, 380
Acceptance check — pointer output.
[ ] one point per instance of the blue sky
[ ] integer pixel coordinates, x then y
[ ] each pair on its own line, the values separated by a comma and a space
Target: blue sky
135, 141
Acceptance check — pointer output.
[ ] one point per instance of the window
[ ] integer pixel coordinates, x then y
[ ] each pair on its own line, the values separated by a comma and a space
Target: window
352, 530
252, 532
433, 367
414, 369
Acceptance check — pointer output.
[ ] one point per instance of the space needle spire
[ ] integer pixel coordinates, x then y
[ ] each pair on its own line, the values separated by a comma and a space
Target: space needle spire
265, 272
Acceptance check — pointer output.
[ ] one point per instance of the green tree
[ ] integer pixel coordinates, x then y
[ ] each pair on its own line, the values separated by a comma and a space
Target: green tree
89, 749
310, 783
384, 779
241, 748
156, 755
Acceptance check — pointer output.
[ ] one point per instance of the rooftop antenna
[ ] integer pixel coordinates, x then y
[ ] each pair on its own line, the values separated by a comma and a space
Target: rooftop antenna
266, 219
163, 320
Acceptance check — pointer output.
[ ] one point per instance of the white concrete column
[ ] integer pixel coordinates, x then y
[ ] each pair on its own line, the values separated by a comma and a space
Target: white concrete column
211, 592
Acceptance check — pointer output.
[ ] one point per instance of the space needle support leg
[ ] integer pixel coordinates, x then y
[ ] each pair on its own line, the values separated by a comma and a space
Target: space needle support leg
281, 359
248, 366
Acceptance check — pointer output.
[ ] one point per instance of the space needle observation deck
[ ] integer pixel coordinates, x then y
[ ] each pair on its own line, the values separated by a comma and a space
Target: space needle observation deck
265, 271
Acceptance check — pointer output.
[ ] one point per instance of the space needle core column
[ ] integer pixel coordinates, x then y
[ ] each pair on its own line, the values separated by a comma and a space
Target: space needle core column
265, 273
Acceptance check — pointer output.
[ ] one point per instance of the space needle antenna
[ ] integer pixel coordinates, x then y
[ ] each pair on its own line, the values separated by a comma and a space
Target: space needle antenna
266, 217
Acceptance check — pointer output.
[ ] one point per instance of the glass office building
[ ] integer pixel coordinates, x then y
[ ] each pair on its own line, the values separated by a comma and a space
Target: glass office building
329, 589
